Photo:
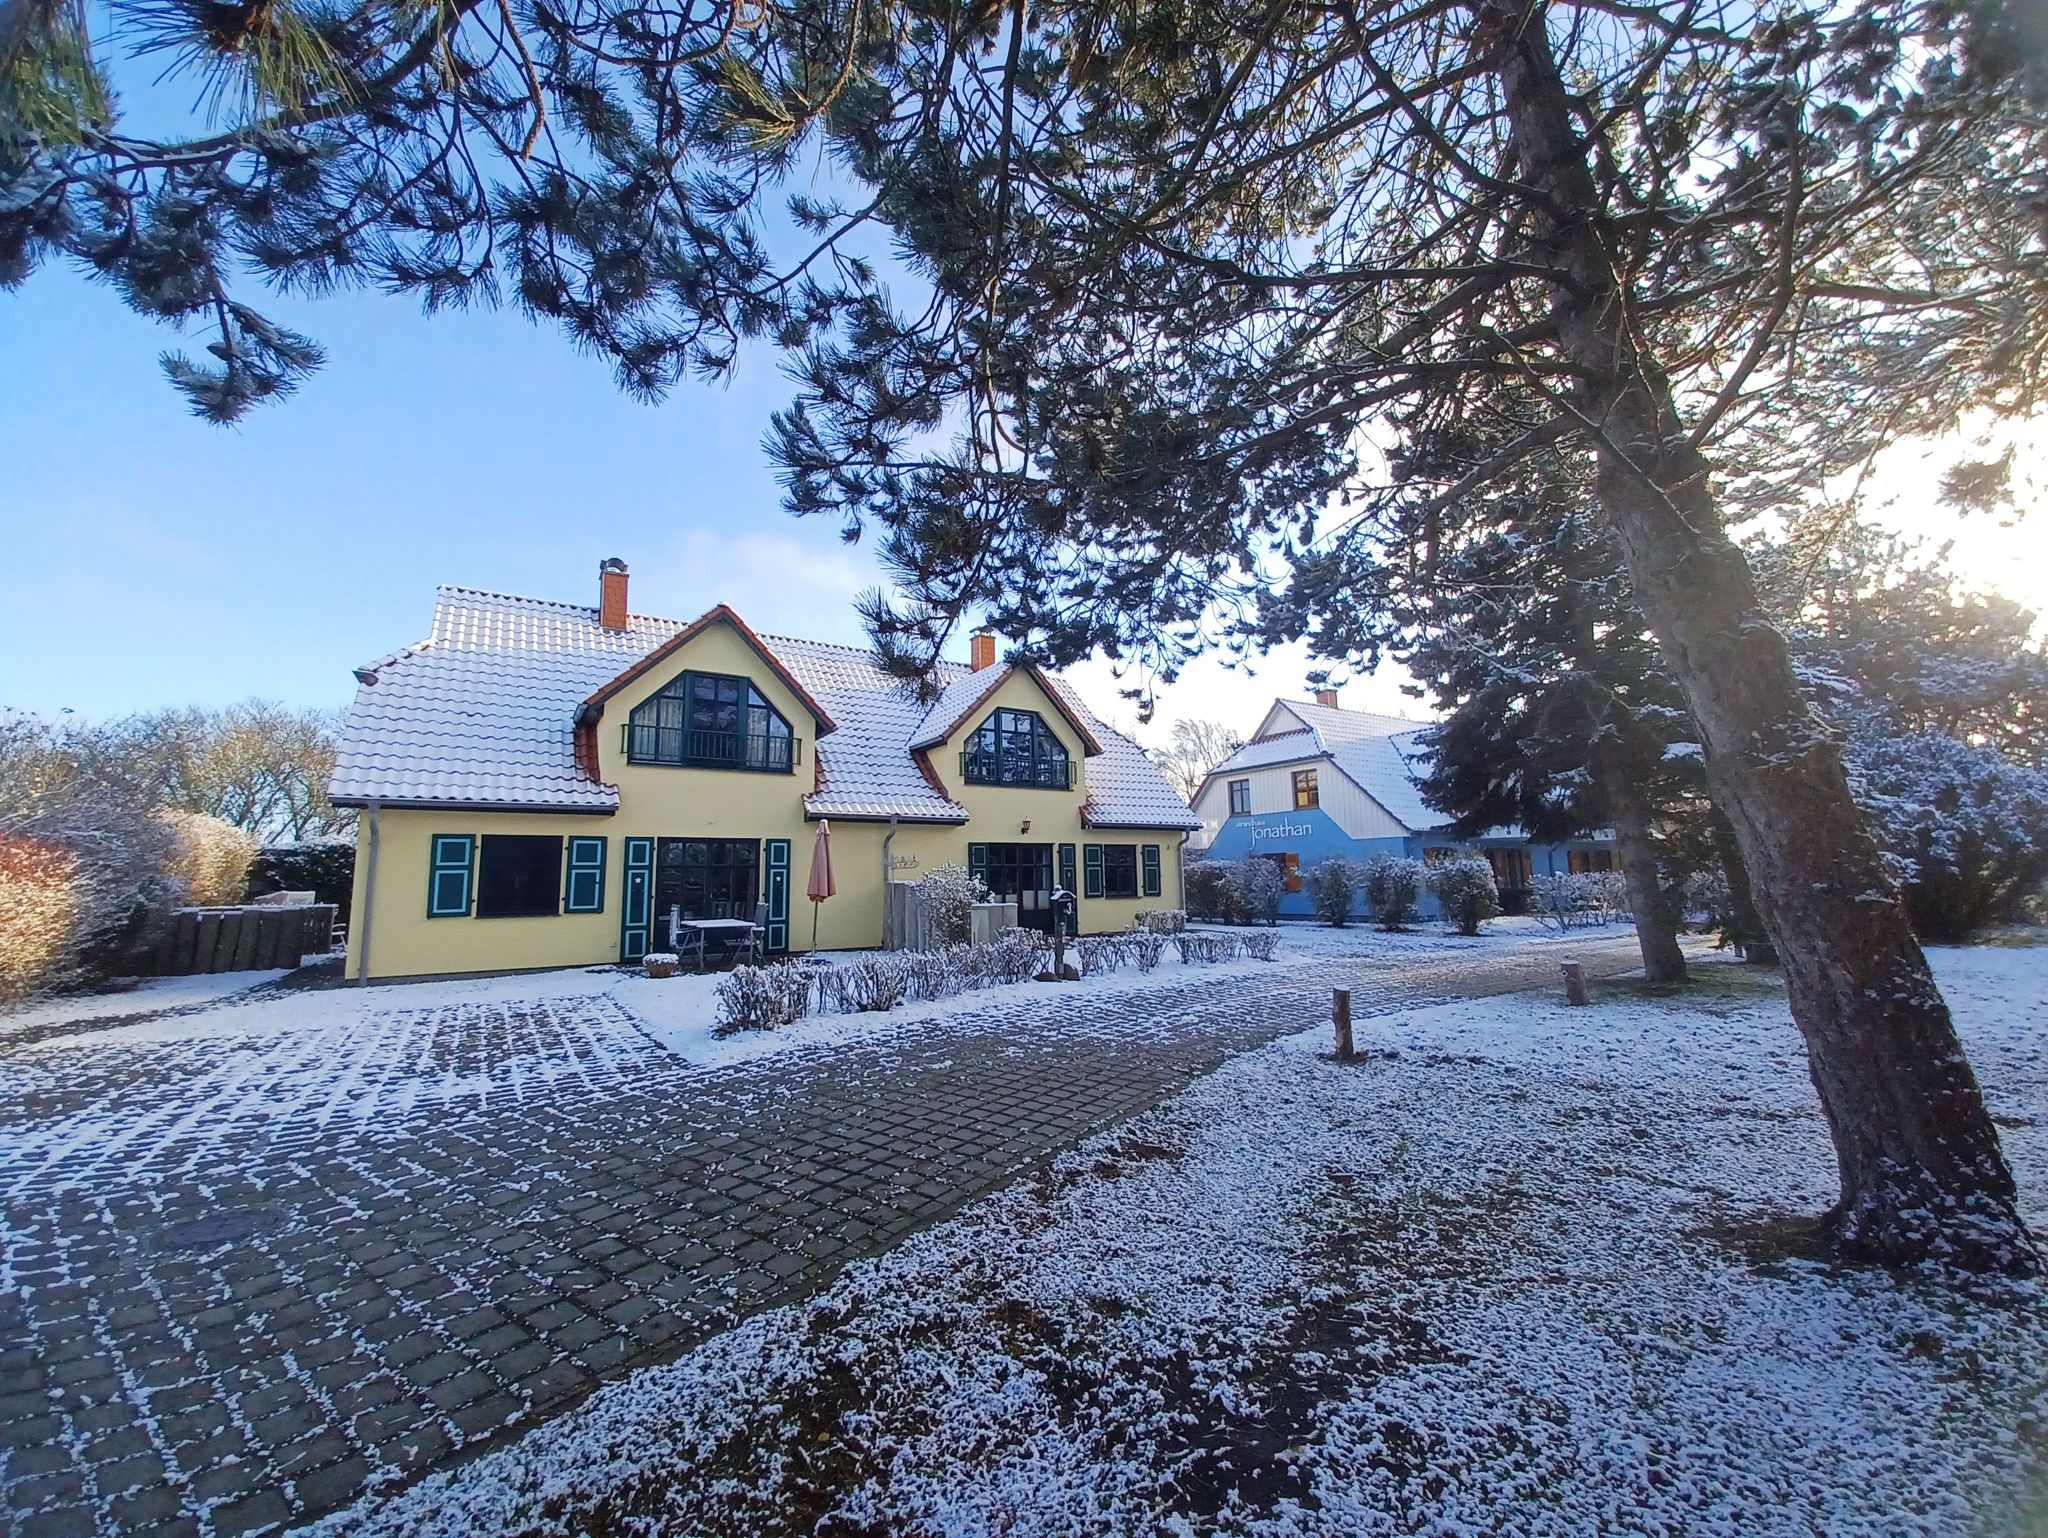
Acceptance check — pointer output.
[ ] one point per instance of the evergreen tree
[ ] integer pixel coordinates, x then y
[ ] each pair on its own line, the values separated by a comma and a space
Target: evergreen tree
1171, 265
1513, 611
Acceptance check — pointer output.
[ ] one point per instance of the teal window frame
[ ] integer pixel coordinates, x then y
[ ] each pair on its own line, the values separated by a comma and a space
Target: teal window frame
583, 876
451, 868
665, 729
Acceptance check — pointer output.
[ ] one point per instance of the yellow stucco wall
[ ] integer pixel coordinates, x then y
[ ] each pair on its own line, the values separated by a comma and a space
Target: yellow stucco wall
662, 802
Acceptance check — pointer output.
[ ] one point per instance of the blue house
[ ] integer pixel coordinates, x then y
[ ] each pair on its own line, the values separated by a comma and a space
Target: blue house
1317, 780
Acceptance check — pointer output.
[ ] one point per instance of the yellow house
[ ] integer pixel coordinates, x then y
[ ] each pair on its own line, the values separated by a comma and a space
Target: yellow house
546, 785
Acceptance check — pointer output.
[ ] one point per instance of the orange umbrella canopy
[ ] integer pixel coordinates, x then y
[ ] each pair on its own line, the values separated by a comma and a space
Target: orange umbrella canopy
821, 884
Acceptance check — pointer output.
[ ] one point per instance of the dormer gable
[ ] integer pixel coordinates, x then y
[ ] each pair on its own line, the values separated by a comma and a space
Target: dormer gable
690, 688
962, 703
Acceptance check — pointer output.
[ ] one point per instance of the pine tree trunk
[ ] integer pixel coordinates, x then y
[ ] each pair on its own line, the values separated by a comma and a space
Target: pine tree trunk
1656, 924
1922, 1174
1745, 924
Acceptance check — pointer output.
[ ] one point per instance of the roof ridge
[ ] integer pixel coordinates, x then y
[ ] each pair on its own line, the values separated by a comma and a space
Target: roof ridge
658, 619
1350, 710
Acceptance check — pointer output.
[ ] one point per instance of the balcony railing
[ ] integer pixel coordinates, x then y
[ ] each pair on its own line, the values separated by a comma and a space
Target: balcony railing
763, 753
989, 769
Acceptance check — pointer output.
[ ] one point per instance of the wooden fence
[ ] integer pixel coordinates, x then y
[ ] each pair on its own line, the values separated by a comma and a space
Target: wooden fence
910, 920
241, 939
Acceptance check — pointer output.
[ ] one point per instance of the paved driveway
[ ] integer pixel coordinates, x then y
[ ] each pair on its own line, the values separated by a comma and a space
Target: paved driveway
248, 1277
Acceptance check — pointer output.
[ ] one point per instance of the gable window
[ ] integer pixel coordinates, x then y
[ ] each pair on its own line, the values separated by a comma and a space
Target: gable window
710, 721
519, 875
1119, 870
1240, 798
1305, 795
1015, 747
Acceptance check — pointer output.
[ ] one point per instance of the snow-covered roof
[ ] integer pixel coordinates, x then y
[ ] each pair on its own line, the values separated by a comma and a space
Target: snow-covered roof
1276, 749
1389, 768
1334, 724
1382, 755
959, 699
482, 713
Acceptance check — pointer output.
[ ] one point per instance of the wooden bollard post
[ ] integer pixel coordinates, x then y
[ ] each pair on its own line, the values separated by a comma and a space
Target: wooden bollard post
1574, 982
1340, 1016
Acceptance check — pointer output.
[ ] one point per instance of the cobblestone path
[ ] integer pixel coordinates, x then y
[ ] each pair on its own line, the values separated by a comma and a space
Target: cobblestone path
247, 1278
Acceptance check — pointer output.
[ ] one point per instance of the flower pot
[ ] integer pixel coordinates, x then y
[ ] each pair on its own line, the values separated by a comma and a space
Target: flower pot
663, 967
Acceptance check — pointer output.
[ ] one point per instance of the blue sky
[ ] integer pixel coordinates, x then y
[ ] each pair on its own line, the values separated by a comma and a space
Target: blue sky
152, 559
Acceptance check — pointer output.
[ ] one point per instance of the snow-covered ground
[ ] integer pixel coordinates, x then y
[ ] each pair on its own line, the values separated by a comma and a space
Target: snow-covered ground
1522, 1270
152, 995
679, 1012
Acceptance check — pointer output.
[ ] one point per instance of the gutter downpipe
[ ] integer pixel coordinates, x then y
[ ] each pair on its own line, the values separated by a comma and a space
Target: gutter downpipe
888, 870
369, 904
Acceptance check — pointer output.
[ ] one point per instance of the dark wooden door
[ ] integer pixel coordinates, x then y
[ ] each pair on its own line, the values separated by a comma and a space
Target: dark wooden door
1022, 874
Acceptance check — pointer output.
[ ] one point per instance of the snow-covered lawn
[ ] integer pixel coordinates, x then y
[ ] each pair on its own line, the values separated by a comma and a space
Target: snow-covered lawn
1522, 1270
152, 995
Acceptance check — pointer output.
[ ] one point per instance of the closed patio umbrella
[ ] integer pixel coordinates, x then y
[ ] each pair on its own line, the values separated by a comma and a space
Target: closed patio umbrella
821, 885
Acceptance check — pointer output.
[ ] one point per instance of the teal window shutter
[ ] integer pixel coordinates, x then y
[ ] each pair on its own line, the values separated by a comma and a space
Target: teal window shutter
451, 877
777, 895
1091, 862
1068, 879
977, 861
636, 912
583, 886
1150, 856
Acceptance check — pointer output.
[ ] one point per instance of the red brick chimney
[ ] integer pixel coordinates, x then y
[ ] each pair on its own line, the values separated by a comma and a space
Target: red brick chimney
611, 594
1327, 698
981, 650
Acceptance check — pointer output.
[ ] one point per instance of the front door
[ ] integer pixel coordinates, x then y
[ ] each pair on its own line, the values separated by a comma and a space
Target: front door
707, 878
1022, 874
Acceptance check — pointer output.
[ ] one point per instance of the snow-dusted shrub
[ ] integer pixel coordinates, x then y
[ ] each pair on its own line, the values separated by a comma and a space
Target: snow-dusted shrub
1708, 902
1392, 886
64, 814
1212, 893
1579, 900
1332, 884
1146, 946
1016, 955
1260, 885
948, 894
763, 998
1160, 921
930, 975
1097, 954
1261, 946
1607, 892
211, 858
1465, 892
873, 983
1199, 946
39, 915
1968, 828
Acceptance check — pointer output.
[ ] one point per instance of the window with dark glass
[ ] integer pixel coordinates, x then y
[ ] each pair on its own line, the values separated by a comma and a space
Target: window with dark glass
1015, 747
1305, 795
1240, 797
710, 721
707, 878
519, 875
1119, 870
